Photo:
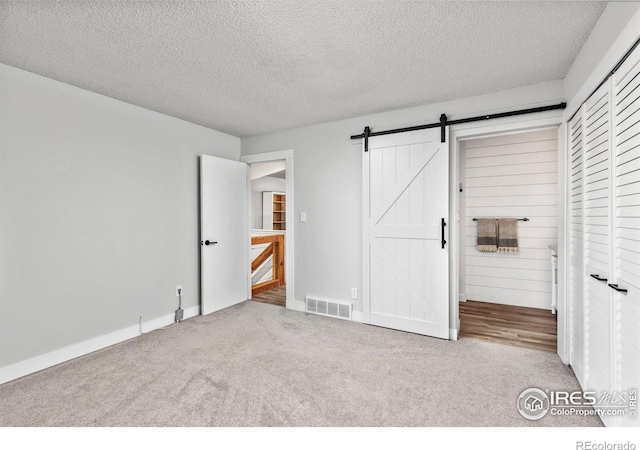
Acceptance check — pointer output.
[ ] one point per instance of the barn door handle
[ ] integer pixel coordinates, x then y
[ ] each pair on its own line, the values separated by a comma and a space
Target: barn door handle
597, 277
615, 287
442, 225
207, 242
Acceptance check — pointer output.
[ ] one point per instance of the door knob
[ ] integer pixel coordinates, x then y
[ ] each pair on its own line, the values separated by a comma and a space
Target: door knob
207, 242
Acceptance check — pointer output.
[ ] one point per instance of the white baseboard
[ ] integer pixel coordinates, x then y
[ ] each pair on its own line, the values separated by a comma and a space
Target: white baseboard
357, 316
168, 319
462, 297
453, 334
73, 351
55, 357
296, 306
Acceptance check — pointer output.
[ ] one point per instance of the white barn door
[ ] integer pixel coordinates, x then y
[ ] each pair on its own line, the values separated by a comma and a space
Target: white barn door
405, 206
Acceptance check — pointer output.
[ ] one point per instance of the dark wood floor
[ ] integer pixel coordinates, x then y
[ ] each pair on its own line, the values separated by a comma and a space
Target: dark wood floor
509, 325
277, 296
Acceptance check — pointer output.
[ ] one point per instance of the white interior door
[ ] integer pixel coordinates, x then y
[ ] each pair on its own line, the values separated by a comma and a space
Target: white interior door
405, 203
224, 231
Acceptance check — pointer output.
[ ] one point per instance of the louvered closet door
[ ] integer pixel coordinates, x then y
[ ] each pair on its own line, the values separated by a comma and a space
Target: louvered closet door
626, 223
576, 274
596, 202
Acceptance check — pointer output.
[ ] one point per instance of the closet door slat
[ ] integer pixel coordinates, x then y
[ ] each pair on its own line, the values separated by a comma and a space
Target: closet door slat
576, 269
597, 255
626, 228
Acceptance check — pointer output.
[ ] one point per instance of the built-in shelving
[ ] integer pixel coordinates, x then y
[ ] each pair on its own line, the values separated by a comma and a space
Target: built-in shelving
274, 211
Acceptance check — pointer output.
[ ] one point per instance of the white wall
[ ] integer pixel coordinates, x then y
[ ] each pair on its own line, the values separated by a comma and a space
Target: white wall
258, 186
613, 35
98, 214
328, 183
511, 176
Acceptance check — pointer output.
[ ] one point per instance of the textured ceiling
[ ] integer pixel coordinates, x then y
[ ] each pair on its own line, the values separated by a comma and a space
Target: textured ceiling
250, 67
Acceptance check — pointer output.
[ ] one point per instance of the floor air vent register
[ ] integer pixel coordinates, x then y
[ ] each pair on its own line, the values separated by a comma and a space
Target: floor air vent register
339, 310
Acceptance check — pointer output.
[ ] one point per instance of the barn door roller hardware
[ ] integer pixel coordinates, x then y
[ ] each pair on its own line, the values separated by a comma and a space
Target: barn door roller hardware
444, 122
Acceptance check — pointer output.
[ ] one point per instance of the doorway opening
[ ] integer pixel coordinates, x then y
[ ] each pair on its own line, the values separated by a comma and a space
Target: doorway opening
508, 232
268, 232
286, 217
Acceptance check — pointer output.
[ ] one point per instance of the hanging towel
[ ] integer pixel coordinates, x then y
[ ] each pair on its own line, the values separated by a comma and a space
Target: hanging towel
508, 235
487, 235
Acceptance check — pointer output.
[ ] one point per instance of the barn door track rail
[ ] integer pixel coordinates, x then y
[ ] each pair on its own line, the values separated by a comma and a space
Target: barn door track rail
442, 124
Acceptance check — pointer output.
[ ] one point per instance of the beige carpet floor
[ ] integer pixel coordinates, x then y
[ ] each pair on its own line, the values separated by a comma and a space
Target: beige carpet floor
262, 365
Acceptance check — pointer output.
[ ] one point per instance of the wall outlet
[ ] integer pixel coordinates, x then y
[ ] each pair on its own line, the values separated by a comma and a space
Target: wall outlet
179, 291
354, 293
303, 217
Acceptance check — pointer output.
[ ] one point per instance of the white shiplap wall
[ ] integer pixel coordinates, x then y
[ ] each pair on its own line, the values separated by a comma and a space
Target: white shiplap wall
511, 176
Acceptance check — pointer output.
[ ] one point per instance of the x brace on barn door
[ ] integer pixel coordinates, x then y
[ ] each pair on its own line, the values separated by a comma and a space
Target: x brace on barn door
444, 122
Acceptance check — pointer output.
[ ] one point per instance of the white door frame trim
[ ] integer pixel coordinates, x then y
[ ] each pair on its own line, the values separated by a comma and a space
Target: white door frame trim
504, 126
287, 155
